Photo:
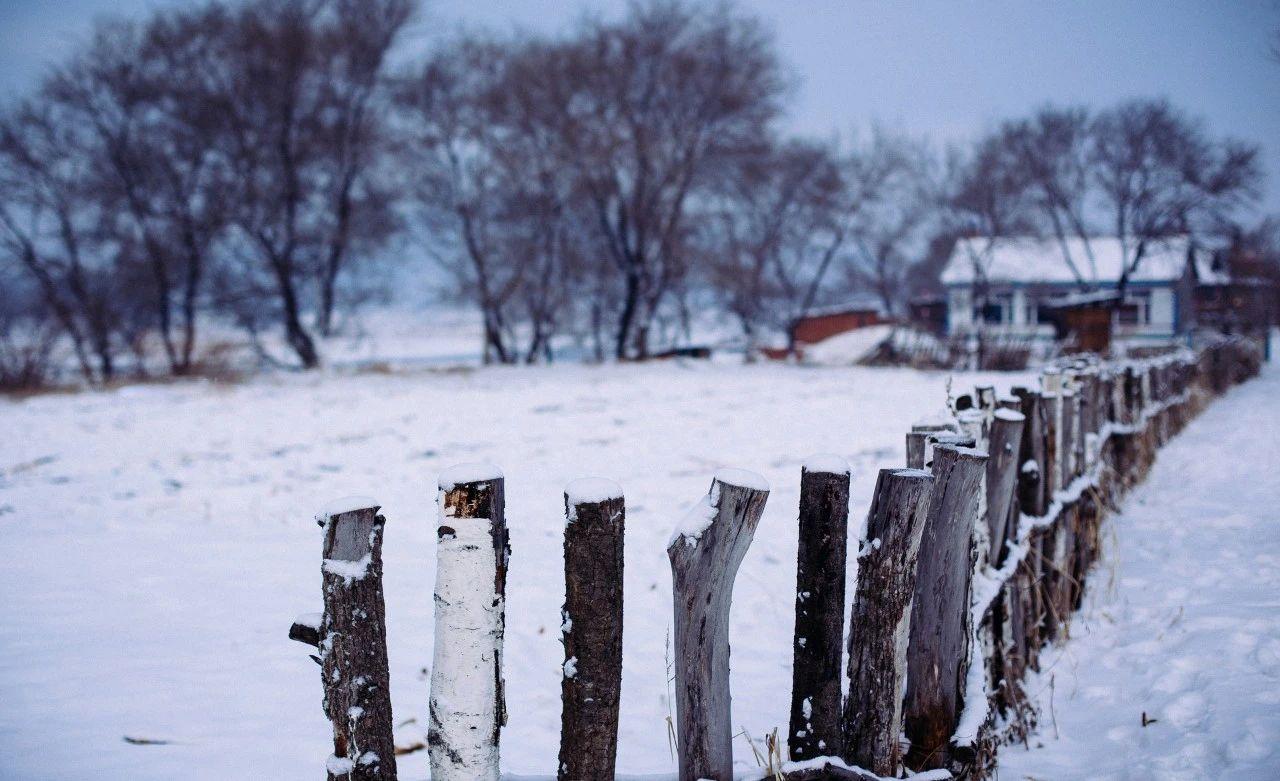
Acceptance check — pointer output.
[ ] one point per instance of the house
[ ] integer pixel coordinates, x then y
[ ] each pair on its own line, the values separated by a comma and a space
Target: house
1014, 287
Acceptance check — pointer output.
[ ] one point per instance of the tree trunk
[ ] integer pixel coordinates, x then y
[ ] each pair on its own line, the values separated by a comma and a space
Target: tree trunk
814, 729
353, 646
940, 610
592, 628
879, 626
468, 708
705, 552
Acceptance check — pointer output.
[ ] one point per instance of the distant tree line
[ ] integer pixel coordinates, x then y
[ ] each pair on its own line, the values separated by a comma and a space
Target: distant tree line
245, 162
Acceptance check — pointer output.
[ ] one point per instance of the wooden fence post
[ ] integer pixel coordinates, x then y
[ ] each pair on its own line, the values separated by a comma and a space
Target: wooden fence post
940, 621
353, 643
591, 625
879, 627
1004, 445
705, 551
814, 728
917, 441
468, 708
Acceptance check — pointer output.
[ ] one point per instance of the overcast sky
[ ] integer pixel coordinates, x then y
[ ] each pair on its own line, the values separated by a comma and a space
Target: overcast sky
944, 68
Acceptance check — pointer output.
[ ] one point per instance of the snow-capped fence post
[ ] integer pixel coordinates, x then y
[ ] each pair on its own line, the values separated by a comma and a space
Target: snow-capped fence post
879, 626
353, 643
940, 616
591, 625
705, 551
468, 708
1004, 445
814, 728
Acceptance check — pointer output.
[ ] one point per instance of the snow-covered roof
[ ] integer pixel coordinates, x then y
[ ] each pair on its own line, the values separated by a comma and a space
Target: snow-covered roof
1043, 261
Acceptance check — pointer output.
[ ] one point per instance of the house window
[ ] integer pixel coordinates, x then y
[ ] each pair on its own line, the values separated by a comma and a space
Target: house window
997, 309
1136, 309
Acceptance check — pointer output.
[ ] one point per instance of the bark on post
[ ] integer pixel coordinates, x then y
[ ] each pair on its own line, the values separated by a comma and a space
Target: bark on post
879, 627
814, 728
940, 610
1003, 447
468, 708
591, 623
353, 644
705, 551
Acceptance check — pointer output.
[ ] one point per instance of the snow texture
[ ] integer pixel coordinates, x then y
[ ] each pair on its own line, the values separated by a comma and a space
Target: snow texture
1008, 414
344, 504
826, 463
589, 490
1181, 621
471, 472
742, 478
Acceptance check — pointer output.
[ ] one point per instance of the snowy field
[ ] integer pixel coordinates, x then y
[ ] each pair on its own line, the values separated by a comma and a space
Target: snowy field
1182, 621
159, 540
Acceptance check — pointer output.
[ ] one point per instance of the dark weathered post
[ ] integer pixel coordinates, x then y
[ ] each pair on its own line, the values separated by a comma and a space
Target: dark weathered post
591, 624
468, 708
880, 623
917, 439
814, 728
705, 551
940, 610
1004, 443
353, 643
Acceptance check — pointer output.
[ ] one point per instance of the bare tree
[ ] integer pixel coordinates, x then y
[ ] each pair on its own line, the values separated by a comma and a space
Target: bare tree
1159, 175
295, 78
49, 228
650, 104
892, 216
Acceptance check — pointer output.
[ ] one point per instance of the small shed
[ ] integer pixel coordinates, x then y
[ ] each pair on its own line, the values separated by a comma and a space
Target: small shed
822, 324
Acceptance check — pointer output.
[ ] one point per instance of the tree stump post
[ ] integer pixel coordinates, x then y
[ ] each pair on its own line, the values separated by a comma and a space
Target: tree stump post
1004, 446
814, 728
705, 551
879, 627
940, 620
591, 625
468, 707
352, 640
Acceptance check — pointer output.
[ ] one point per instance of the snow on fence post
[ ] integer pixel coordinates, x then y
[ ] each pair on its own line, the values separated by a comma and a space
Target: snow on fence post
940, 613
1003, 449
467, 708
591, 624
705, 550
1024, 603
353, 643
879, 626
918, 440
814, 728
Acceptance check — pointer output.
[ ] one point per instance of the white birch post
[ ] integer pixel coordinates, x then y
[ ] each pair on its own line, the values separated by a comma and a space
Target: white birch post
705, 551
467, 704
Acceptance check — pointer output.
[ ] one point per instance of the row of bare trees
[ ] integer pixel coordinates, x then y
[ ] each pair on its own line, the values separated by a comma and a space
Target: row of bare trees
247, 162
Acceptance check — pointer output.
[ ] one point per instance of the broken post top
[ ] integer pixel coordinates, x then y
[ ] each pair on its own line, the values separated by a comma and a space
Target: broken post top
348, 525
703, 514
472, 491
825, 463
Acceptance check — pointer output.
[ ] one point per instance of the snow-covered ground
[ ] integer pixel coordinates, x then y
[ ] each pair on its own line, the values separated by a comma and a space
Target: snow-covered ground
158, 540
1182, 620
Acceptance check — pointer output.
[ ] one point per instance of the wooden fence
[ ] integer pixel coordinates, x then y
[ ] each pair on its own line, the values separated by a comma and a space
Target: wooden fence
975, 555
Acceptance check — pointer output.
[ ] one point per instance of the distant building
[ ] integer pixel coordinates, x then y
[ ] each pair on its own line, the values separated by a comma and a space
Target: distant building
826, 322
1028, 281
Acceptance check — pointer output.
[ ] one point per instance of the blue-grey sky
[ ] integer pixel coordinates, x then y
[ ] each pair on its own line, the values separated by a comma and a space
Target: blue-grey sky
944, 68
